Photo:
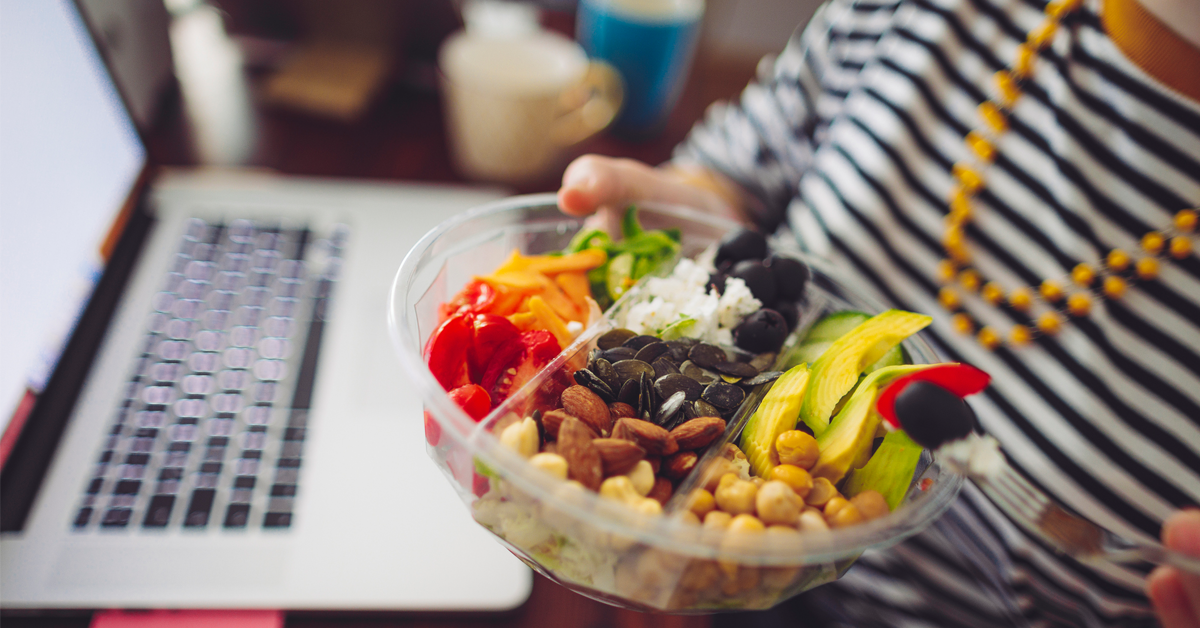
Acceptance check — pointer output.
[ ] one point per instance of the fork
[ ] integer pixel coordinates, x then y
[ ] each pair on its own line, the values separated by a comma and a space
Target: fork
979, 458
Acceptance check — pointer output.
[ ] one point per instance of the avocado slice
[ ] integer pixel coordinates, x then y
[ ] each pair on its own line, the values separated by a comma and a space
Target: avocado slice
775, 415
838, 368
889, 471
852, 431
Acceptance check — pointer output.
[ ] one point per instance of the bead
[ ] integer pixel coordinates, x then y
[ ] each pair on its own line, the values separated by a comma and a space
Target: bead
1007, 85
996, 120
1185, 220
988, 338
1118, 260
960, 202
955, 247
1153, 242
1020, 299
992, 292
1051, 291
1181, 247
1041, 36
1023, 66
1020, 335
969, 279
946, 270
948, 297
1147, 268
962, 324
1079, 304
1115, 287
968, 178
1083, 275
980, 145
1050, 323
1059, 8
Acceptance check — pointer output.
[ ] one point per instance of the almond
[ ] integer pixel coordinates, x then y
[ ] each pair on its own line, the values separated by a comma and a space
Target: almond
620, 410
618, 456
583, 459
678, 465
585, 405
552, 420
654, 439
662, 491
698, 433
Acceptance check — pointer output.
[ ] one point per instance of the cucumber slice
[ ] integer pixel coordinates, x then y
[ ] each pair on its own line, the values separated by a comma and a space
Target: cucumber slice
808, 352
834, 326
619, 276
889, 471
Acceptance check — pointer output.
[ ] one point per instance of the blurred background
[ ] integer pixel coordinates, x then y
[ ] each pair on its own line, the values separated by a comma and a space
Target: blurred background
351, 88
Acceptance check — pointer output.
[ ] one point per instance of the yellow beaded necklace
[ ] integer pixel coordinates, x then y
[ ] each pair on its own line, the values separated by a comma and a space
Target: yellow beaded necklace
1110, 280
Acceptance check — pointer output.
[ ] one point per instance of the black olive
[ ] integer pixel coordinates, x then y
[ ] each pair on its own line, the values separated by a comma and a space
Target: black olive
716, 281
790, 313
741, 244
759, 279
791, 276
760, 332
932, 415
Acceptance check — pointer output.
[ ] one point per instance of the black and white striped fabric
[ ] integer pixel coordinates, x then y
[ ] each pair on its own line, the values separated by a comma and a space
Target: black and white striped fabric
853, 133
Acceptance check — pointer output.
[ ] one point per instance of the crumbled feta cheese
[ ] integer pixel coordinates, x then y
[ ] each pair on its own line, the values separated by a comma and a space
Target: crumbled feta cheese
684, 295
977, 456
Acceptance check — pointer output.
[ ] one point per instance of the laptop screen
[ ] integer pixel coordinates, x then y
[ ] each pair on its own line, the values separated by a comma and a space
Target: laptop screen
69, 156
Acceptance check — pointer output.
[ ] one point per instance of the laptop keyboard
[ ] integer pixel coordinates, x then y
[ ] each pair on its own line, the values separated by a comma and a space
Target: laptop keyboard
211, 428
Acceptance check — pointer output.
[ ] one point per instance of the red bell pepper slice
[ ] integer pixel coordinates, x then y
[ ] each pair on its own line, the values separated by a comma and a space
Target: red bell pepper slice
490, 333
473, 399
447, 349
961, 379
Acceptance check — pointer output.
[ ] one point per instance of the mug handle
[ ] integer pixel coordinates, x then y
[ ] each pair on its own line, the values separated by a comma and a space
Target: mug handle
589, 106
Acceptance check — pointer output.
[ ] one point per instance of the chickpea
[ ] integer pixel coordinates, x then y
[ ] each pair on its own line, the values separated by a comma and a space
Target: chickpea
735, 495
690, 518
811, 520
701, 502
871, 504
796, 447
642, 477
834, 505
776, 502
846, 516
716, 470
553, 464
717, 520
746, 523
758, 481
781, 531
795, 477
822, 491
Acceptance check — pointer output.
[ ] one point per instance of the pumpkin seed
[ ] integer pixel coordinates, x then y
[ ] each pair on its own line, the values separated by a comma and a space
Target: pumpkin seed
762, 378
668, 385
664, 366
651, 352
740, 370
670, 407
637, 342
613, 338
632, 369
629, 393
724, 396
617, 354
586, 378
703, 376
706, 355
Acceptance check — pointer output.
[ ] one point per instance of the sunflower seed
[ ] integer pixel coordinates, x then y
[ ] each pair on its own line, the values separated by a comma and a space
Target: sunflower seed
613, 338
762, 378
670, 407
668, 385
664, 366
651, 352
706, 355
740, 370
632, 369
637, 342
724, 396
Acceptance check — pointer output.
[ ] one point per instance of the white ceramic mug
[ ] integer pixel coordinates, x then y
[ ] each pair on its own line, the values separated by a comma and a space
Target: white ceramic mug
515, 106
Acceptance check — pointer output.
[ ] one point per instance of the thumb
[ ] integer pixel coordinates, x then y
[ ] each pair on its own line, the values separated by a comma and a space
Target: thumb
592, 182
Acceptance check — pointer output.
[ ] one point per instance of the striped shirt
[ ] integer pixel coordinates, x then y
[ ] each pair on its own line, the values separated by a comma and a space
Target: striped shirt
852, 134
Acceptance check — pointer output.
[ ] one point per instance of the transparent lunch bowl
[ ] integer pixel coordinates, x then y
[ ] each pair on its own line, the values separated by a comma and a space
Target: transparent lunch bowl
597, 547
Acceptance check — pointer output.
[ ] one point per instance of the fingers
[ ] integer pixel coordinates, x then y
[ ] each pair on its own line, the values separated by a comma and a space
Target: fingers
1176, 595
593, 182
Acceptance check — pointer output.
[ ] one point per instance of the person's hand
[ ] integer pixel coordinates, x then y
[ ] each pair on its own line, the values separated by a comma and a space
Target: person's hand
1175, 594
595, 183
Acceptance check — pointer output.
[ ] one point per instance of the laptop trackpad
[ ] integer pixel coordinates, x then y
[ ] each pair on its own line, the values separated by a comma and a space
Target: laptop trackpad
169, 562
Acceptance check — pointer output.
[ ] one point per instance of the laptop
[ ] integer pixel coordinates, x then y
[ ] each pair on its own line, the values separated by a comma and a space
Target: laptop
208, 412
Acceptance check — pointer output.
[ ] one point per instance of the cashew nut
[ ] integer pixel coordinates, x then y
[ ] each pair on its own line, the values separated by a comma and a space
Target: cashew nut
522, 437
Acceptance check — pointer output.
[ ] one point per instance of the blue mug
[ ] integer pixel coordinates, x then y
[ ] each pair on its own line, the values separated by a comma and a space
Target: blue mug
651, 44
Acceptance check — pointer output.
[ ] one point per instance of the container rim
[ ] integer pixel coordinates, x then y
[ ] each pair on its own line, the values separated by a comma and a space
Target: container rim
666, 533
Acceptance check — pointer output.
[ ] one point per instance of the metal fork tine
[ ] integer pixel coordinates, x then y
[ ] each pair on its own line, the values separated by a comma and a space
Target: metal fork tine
1009, 502
1020, 486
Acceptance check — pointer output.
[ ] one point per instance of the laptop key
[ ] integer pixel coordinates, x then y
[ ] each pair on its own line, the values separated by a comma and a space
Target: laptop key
127, 487
158, 513
277, 520
84, 517
116, 518
199, 508
237, 515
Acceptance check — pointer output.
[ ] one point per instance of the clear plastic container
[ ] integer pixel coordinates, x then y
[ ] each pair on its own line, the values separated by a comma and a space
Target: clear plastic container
598, 547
